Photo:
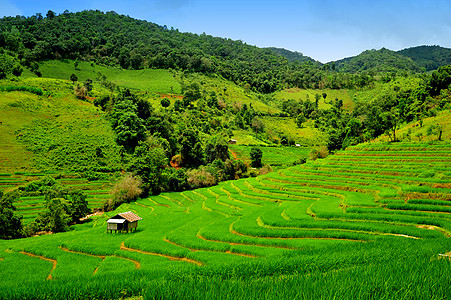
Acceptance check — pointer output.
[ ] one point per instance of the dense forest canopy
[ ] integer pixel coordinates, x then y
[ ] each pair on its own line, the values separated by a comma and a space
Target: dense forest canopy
428, 57
113, 39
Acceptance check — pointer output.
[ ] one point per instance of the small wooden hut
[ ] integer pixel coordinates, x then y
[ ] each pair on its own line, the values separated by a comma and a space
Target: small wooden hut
123, 222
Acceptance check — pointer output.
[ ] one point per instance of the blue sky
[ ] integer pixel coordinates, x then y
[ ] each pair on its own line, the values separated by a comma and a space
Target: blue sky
325, 30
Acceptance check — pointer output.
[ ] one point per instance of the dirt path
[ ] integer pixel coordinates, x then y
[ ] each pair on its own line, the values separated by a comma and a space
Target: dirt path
433, 227
189, 260
53, 261
82, 253
137, 263
88, 254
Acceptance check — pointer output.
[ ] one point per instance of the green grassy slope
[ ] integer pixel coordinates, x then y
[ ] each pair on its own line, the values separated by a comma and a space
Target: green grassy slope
309, 94
152, 80
415, 132
368, 216
61, 132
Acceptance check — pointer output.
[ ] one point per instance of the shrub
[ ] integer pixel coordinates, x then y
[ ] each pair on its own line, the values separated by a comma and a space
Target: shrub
300, 161
201, 177
265, 170
256, 157
319, 152
80, 92
124, 191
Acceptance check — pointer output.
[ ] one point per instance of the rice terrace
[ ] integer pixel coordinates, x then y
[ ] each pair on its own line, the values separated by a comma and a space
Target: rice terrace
147, 163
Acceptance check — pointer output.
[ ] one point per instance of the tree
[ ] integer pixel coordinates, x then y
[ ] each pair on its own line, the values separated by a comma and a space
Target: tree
136, 61
300, 119
165, 102
256, 157
192, 93
216, 148
50, 14
88, 84
191, 148
17, 70
10, 223
78, 205
127, 125
257, 125
75, 203
73, 78
55, 217
148, 163
391, 120
317, 97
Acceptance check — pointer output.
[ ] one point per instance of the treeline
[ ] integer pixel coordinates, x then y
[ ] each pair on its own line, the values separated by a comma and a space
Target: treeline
117, 40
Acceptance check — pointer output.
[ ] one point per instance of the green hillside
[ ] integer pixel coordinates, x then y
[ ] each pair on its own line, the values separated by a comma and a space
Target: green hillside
158, 81
428, 57
382, 60
55, 131
373, 215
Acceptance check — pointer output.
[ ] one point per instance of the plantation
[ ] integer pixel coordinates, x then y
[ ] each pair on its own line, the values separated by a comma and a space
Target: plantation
350, 217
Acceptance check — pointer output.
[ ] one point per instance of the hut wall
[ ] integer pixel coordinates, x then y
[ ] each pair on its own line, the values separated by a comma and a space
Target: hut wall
112, 226
132, 225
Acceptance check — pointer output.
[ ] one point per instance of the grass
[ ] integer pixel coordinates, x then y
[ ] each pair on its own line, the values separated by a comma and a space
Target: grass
151, 80
442, 119
309, 94
305, 136
56, 132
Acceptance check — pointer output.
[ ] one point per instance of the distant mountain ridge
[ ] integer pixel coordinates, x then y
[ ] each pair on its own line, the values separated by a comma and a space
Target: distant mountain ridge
382, 60
416, 59
428, 57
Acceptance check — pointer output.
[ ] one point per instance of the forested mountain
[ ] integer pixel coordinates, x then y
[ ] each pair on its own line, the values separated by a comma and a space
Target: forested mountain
414, 59
428, 57
293, 56
113, 39
382, 60
118, 40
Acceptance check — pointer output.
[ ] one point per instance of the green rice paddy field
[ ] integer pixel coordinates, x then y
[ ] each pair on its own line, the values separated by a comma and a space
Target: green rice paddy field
371, 222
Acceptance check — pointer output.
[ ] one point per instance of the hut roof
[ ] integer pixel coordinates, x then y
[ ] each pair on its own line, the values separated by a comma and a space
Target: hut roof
116, 221
129, 216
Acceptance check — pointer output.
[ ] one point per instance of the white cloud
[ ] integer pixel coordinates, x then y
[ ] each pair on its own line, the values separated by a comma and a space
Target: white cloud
8, 9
